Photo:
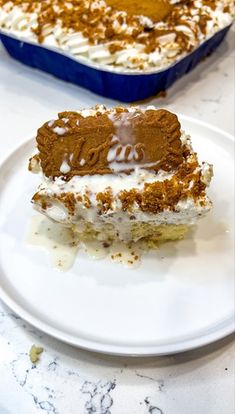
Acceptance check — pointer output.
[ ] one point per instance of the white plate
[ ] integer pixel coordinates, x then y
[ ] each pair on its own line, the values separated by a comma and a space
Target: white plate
180, 298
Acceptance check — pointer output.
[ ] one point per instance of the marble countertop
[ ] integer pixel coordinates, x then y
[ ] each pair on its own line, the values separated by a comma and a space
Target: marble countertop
71, 381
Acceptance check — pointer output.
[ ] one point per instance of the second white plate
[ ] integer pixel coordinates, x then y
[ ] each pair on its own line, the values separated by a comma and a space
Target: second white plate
181, 297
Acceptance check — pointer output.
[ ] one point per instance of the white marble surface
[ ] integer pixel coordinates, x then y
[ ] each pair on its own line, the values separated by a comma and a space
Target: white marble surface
71, 381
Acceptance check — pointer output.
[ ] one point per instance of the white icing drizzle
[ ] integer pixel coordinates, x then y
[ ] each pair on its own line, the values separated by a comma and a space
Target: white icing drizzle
65, 120
117, 166
59, 241
63, 245
122, 123
64, 168
59, 130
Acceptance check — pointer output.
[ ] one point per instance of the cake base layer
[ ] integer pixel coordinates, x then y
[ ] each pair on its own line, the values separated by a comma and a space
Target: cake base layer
150, 235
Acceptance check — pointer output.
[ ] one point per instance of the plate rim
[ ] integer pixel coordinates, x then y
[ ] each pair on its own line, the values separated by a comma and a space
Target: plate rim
226, 327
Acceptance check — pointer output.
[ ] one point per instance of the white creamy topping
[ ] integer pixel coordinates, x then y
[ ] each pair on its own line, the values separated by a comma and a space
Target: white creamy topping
122, 123
116, 166
145, 21
187, 211
132, 57
59, 130
207, 173
98, 183
64, 168
116, 220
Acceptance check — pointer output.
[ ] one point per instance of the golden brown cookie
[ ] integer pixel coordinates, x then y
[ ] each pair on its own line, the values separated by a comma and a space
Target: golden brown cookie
113, 141
154, 9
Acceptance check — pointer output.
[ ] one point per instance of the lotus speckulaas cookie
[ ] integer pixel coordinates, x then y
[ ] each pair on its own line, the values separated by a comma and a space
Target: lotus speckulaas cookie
123, 34
120, 174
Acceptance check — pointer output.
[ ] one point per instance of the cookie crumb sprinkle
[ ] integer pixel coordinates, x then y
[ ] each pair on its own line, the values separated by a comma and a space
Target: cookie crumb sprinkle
34, 353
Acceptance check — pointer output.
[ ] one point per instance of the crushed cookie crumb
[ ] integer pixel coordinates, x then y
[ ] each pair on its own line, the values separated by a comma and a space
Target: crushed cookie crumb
132, 217
86, 201
34, 353
69, 200
105, 200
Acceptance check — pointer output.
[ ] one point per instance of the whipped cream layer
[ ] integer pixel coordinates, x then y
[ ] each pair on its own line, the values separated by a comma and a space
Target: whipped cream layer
116, 39
186, 212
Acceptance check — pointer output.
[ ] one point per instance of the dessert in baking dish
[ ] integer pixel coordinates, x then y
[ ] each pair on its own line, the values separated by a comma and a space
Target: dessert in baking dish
121, 34
120, 175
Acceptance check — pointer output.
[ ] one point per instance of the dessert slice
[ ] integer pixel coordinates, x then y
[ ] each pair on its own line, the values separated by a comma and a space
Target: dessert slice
120, 174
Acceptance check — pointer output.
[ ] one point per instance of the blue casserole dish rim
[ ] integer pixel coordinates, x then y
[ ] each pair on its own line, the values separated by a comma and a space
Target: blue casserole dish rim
109, 68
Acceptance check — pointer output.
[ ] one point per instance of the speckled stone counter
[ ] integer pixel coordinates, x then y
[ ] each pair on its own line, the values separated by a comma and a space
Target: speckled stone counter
70, 381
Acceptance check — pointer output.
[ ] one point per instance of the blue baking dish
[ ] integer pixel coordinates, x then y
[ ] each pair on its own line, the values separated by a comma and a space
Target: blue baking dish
122, 86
